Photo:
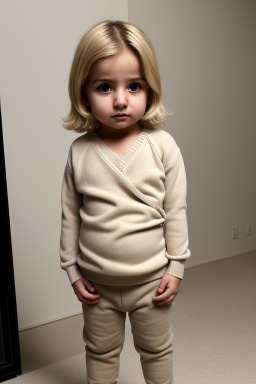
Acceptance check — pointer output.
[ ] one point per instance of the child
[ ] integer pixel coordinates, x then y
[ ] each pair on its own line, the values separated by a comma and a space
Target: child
124, 236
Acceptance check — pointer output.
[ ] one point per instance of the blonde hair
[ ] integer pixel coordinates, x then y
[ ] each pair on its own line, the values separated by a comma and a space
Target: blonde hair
106, 39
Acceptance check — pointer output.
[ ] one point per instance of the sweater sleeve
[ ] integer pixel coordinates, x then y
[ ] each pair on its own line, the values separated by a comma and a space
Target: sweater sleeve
71, 200
175, 227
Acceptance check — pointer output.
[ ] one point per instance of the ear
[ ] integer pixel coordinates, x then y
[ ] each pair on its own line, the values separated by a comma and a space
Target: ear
149, 97
148, 101
84, 98
86, 104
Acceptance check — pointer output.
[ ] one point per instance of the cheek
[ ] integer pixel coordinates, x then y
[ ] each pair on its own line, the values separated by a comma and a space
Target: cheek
141, 104
97, 104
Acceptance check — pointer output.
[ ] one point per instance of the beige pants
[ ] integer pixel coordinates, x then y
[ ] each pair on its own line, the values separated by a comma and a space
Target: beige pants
104, 325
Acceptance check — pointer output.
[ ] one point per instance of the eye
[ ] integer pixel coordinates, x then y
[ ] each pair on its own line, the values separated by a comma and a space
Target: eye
134, 87
104, 88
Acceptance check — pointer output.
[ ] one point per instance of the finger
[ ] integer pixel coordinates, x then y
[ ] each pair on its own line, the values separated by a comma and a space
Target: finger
162, 284
91, 302
83, 289
90, 296
86, 301
164, 295
85, 294
167, 301
88, 285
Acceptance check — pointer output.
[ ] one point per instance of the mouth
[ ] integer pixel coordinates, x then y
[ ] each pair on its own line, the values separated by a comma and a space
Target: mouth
120, 116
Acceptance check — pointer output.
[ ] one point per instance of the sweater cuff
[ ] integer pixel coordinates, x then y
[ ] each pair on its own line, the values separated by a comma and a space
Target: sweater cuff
176, 268
74, 273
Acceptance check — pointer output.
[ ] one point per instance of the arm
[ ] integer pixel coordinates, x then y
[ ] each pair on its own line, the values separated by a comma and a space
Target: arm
72, 201
70, 226
175, 230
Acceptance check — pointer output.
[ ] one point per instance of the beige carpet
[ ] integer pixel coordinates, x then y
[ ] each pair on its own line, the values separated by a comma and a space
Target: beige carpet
214, 320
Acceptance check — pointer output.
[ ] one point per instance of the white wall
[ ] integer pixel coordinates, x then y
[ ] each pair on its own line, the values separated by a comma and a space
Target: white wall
207, 60
207, 57
37, 40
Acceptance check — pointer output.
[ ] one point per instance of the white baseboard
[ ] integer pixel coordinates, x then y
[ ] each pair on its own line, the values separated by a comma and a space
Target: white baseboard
198, 264
51, 320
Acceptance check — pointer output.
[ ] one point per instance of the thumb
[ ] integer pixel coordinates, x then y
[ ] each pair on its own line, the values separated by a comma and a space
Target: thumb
162, 284
88, 285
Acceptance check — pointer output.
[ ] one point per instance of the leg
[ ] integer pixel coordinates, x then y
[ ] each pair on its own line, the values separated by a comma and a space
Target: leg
152, 333
104, 337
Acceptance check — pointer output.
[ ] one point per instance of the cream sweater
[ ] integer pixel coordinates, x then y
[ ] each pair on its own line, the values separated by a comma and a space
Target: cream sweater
124, 219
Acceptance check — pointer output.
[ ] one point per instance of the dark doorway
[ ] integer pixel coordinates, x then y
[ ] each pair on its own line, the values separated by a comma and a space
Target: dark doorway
9, 338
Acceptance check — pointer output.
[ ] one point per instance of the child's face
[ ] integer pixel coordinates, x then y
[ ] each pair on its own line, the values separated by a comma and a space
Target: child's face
117, 92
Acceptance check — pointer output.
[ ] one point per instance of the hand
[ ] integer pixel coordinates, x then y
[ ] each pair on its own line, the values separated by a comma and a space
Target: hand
85, 291
167, 290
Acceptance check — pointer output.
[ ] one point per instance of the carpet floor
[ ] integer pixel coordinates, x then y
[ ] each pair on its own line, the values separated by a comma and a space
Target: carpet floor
214, 318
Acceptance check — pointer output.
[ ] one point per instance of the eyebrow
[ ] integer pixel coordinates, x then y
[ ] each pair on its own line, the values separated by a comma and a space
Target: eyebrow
111, 80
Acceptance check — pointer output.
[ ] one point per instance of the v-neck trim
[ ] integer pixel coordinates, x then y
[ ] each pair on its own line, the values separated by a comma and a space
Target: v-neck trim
118, 161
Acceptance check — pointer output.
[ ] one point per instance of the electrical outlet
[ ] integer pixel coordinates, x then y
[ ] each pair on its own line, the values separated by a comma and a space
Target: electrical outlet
235, 232
249, 229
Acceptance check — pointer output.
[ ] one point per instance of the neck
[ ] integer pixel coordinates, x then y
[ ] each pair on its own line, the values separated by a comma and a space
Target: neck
112, 133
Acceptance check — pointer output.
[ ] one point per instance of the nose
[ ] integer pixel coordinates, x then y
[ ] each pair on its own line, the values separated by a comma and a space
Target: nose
120, 100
